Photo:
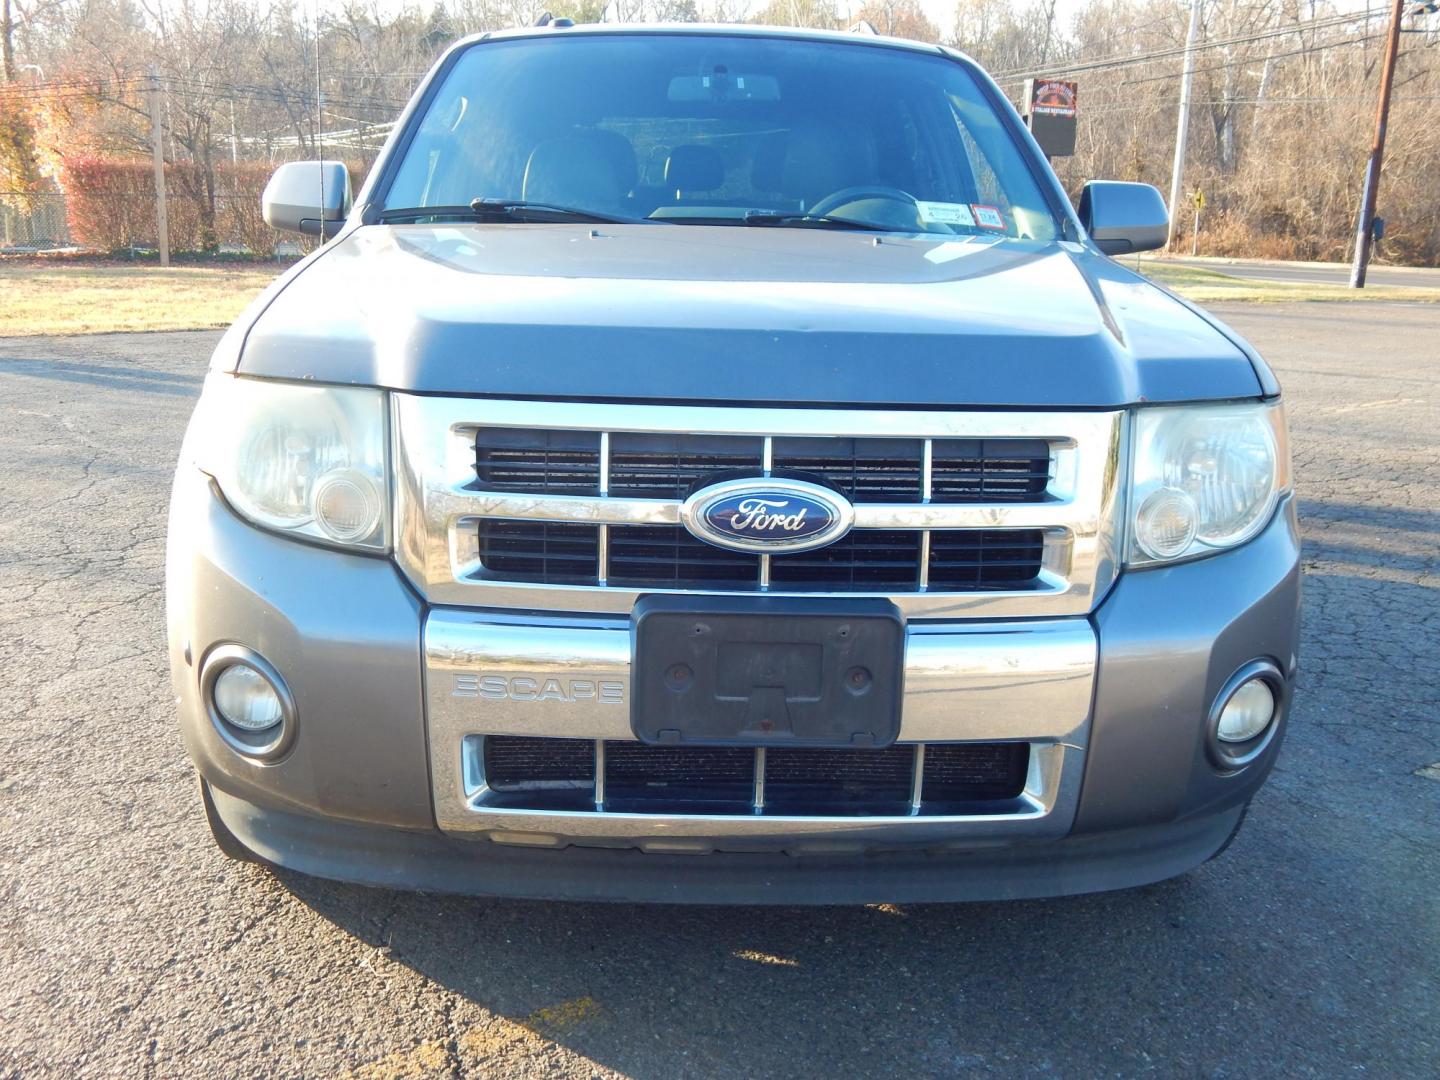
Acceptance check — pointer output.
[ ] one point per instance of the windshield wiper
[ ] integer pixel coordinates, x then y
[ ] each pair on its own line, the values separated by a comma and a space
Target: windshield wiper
507, 210
813, 221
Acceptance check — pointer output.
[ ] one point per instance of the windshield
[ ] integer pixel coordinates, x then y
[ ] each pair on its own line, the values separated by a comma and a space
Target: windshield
717, 129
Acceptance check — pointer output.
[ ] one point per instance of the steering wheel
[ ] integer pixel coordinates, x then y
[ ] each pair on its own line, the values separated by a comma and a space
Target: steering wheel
845, 196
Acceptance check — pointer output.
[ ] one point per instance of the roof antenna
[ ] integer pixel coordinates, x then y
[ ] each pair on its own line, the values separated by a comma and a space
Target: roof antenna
545, 20
864, 26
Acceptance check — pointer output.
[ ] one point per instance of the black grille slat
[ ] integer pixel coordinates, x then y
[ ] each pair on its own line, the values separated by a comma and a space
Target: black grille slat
672, 466
644, 465
548, 462
518, 763
525, 771
712, 779
667, 555
861, 559
960, 772
540, 551
830, 781
863, 470
985, 558
989, 470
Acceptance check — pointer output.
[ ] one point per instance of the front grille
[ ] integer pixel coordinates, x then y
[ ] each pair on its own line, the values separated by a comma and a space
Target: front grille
653, 466
668, 557
579, 506
540, 773
512, 547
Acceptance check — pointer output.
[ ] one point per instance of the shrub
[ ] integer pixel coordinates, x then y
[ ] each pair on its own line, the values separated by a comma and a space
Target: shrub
110, 205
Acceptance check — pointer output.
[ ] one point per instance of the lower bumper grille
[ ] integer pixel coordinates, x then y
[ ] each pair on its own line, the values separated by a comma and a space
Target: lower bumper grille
523, 772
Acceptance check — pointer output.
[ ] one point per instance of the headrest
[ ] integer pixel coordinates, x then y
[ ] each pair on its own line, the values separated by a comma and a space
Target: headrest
767, 171
586, 170
820, 161
694, 168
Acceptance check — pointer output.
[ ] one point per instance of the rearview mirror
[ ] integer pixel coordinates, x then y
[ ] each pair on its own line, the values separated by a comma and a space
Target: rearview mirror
1122, 218
310, 197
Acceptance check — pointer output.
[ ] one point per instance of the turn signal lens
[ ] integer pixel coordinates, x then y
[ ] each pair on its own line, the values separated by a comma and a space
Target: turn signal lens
1165, 525
347, 505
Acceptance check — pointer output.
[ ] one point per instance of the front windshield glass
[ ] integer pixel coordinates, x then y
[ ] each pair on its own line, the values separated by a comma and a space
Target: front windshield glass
711, 130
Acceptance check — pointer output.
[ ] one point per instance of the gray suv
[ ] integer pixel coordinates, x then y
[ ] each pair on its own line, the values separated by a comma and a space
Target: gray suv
718, 464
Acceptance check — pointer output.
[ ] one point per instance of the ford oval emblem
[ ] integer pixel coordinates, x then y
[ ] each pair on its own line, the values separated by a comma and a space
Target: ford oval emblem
767, 515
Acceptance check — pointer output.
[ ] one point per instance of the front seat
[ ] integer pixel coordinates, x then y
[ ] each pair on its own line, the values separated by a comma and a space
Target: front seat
591, 170
692, 169
820, 161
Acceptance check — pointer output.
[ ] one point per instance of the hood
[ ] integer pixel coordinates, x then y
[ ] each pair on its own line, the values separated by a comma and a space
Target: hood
737, 314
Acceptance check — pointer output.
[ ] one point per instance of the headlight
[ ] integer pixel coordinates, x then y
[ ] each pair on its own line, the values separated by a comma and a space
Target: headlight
305, 460
1204, 478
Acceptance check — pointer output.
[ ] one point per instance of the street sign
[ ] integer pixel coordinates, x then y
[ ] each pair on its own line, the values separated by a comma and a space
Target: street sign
1050, 111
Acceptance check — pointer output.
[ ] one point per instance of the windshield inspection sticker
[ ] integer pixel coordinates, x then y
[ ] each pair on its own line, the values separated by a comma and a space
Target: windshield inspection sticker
945, 213
988, 217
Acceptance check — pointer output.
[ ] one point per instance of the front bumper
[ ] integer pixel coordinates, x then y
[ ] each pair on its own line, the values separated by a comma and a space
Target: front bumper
1113, 706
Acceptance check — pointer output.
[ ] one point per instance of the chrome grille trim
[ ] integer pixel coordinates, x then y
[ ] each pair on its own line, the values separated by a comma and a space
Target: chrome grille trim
489, 673
439, 502
1044, 808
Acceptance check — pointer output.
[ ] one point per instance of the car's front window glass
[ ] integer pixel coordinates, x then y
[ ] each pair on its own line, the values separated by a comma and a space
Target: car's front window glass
707, 129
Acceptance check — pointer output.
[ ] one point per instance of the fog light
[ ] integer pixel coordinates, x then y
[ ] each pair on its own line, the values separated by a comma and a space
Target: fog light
249, 704
1247, 713
245, 699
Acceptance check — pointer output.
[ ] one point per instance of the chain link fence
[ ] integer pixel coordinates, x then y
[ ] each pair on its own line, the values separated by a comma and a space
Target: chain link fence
124, 223
33, 223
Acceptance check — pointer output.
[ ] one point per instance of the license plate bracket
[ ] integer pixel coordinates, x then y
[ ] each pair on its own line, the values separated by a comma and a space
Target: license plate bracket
766, 671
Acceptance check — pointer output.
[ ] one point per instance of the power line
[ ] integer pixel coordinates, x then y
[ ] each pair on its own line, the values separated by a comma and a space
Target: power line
1251, 59
1175, 52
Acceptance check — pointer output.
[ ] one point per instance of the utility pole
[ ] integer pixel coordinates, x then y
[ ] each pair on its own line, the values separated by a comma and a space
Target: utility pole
1182, 127
234, 139
1365, 227
162, 219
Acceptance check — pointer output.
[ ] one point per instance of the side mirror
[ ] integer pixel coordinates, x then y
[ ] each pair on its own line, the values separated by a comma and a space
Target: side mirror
1122, 217
310, 197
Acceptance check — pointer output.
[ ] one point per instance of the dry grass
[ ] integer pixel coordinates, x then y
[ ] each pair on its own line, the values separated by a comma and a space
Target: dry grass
100, 299
1209, 286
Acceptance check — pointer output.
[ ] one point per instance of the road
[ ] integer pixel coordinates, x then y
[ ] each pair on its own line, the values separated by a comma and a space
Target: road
1316, 273
129, 947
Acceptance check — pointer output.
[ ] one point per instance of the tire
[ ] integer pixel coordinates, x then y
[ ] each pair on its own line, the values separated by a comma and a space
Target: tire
228, 843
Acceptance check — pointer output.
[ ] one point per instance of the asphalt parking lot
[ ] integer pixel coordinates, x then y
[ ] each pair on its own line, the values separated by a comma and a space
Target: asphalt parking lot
129, 946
